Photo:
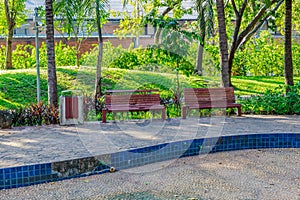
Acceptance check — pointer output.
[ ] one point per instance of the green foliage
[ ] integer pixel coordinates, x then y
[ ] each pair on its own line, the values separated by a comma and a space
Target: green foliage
24, 56
151, 59
214, 62
73, 15
127, 61
35, 114
274, 102
110, 54
65, 55
279, 17
261, 56
17, 14
153, 13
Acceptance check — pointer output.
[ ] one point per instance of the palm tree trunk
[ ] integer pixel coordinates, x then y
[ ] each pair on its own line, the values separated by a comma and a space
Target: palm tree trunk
288, 60
52, 79
226, 82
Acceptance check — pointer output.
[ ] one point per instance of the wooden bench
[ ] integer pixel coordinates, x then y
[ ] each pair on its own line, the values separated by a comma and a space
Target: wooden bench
206, 98
132, 100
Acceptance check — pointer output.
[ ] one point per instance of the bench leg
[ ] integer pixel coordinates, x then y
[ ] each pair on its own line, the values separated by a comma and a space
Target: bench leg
239, 111
103, 116
183, 112
163, 113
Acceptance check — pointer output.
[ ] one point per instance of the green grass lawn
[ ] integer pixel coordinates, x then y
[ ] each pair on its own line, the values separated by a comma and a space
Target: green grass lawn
18, 87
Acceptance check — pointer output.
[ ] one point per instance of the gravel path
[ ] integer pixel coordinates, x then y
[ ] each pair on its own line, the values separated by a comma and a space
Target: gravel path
249, 174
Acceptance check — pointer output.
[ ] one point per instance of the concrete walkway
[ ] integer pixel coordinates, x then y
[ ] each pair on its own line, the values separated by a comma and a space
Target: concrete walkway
31, 145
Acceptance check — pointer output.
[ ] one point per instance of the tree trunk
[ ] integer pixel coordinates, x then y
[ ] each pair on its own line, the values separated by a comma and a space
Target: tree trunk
288, 60
10, 20
199, 62
98, 72
157, 35
77, 50
226, 82
8, 57
98, 92
52, 79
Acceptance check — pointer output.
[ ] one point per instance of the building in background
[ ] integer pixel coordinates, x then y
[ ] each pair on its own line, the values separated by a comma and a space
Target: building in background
26, 33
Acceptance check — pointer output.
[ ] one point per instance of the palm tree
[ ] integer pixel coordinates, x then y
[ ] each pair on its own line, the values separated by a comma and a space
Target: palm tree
52, 79
288, 61
73, 21
100, 13
223, 44
205, 20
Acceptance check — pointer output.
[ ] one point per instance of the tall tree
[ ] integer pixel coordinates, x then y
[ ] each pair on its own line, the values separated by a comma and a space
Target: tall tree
206, 24
101, 14
288, 60
223, 44
14, 12
244, 27
52, 79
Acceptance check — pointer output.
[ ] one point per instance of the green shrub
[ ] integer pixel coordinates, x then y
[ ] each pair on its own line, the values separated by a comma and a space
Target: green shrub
110, 54
274, 102
264, 56
2, 56
64, 55
151, 59
24, 56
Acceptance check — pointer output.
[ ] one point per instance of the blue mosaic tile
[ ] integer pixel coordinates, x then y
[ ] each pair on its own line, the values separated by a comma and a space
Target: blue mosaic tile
41, 173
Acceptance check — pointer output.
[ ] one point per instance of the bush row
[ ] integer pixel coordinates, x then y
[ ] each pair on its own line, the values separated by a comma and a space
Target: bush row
274, 102
24, 56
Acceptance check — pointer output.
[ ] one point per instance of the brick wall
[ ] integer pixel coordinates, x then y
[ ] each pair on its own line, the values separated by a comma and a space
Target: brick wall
87, 44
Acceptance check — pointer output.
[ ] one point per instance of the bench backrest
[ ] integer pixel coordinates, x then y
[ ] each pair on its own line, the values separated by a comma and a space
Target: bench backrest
132, 99
194, 96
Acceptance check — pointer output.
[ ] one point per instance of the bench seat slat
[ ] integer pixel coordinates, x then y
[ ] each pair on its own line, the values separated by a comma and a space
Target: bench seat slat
205, 106
134, 108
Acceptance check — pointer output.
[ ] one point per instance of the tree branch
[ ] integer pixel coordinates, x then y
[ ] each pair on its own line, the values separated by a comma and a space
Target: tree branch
235, 8
238, 23
258, 26
251, 25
